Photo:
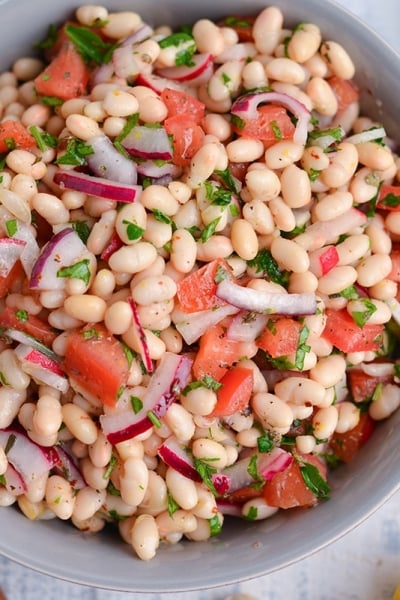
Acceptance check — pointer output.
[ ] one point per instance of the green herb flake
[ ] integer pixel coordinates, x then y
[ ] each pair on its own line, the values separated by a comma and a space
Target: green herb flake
207, 382
136, 403
90, 334
43, 139
10, 143
112, 490
238, 122
252, 470
116, 516
251, 514
90, 45
50, 39
217, 195
391, 200
22, 315
362, 317
264, 262
75, 153
129, 354
173, 506
206, 471
265, 443
209, 230
10, 443
227, 179
154, 419
377, 391
396, 369
314, 480
237, 22
185, 44
313, 174
79, 270
131, 122
133, 231
336, 133
52, 101
161, 217
276, 130
215, 525
82, 229
3, 379
221, 274
350, 293
302, 348
225, 78
3, 480
110, 467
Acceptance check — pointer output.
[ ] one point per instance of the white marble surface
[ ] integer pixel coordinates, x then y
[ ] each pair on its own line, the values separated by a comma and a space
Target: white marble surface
364, 565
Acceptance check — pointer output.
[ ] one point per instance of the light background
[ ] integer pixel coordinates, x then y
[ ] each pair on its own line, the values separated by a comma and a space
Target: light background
364, 565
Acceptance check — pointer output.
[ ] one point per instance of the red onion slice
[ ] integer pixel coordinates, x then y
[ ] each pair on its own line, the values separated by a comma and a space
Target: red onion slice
142, 33
149, 168
107, 162
246, 326
14, 482
325, 232
68, 468
275, 303
144, 349
148, 142
203, 65
158, 84
245, 107
29, 340
367, 136
28, 458
174, 454
10, 252
102, 74
192, 326
231, 509
125, 64
42, 368
64, 249
30, 250
97, 186
170, 377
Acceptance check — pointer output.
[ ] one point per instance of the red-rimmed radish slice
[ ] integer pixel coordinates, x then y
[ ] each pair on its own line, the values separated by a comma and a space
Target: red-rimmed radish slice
144, 349
28, 458
29, 340
10, 252
323, 260
170, 377
63, 250
174, 454
266, 465
263, 302
320, 233
193, 325
125, 64
14, 482
158, 84
24, 235
97, 186
150, 168
106, 161
203, 65
245, 107
148, 142
113, 245
246, 326
41, 367
68, 468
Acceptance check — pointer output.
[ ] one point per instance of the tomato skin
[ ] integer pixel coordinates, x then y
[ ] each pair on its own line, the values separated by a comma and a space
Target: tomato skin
287, 489
187, 138
65, 77
261, 128
342, 331
346, 445
180, 103
386, 190
394, 274
32, 325
97, 362
345, 91
280, 338
362, 386
7, 282
197, 291
243, 25
15, 132
235, 393
216, 354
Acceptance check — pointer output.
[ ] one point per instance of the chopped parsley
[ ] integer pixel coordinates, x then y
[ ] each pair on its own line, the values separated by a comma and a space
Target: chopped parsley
227, 179
154, 419
391, 200
215, 525
314, 480
82, 229
3, 480
336, 133
276, 130
302, 348
209, 230
43, 139
22, 315
3, 379
207, 382
75, 153
251, 514
206, 471
90, 45
233, 21
265, 443
52, 101
10, 443
350, 293
362, 317
110, 467
172, 505
161, 217
90, 334
79, 270
217, 195
185, 44
136, 403
11, 227
252, 470
49, 40
264, 262
133, 231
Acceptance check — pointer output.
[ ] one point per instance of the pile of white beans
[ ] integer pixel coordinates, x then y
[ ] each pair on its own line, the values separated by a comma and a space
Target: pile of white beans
277, 196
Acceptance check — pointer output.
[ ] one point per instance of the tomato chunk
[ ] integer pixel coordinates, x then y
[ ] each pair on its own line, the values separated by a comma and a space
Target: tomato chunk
342, 331
394, 274
346, 91
272, 124
389, 197
346, 445
187, 138
29, 324
180, 103
14, 135
8, 281
280, 337
362, 385
197, 291
235, 392
65, 77
288, 489
216, 354
243, 25
96, 361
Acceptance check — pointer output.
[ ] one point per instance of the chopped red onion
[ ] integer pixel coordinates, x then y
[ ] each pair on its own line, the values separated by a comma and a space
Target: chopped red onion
246, 326
102, 74
150, 168
148, 142
245, 107
263, 302
140, 35
97, 186
377, 369
320, 233
144, 349
41, 367
10, 252
68, 468
106, 161
369, 135
174, 454
231, 509
14, 482
192, 326
125, 63
29, 340
197, 74
158, 84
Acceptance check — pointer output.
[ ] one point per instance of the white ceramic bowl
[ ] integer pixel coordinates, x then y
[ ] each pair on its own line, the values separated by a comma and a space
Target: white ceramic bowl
244, 550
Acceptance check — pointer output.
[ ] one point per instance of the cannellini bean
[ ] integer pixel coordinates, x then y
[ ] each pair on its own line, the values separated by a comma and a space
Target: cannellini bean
244, 150
374, 156
349, 416
329, 371
337, 279
207, 449
283, 154
154, 289
181, 521
259, 216
325, 422
337, 59
304, 42
244, 239
267, 28
300, 391
82, 127
86, 307
290, 255
12, 373
272, 411
79, 423
386, 403
47, 418
60, 497
296, 190
286, 70
133, 480
133, 259
145, 537
87, 502
373, 268
353, 248
182, 489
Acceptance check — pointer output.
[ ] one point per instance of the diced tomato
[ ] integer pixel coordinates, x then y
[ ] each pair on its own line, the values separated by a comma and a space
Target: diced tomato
235, 392
346, 445
180, 103
389, 197
216, 354
287, 489
95, 359
7, 282
187, 138
65, 77
394, 274
30, 324
272, 124
362, 386
323, 260
197, 291
280, 337
14, 135
342, 331
243, 26
113, 245
346, 91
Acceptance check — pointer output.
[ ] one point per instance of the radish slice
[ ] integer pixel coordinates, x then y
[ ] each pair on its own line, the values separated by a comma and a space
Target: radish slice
29, 340
174, 454
26, 236
107, 162
192, 326
323, 260
324, 232
144, 349
97, 186
158, 84
14, 482
42, 368
64, 249
367, 136
231, 509
203, 65
170, 377
275, 303
28, 458
245, 107
237, 476
67, 467
149, 168
148, 142
10, 252
246, 326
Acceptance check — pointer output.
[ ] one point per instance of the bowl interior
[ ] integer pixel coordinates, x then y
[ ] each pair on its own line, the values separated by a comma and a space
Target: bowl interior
245, 550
